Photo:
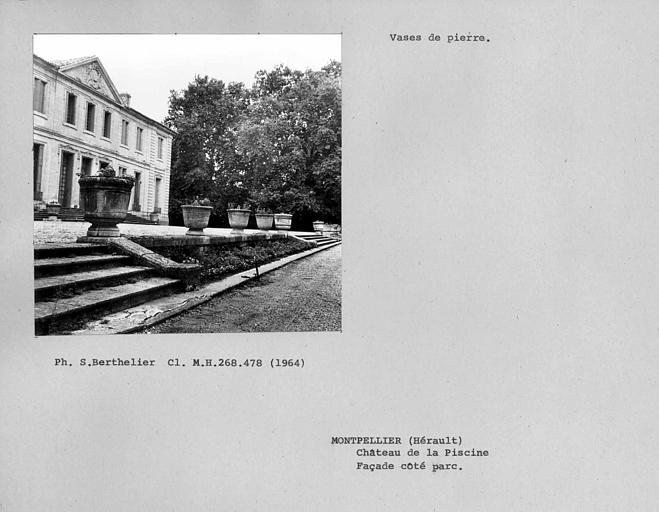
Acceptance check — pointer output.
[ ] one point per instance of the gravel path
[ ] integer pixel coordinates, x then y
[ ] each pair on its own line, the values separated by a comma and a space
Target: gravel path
302, 296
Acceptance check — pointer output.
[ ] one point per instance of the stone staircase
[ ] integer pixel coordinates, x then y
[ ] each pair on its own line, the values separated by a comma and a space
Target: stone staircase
319, 239
74, 283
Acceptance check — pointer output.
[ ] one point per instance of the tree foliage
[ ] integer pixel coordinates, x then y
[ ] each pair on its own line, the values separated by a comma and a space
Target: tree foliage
204, 161
277, 145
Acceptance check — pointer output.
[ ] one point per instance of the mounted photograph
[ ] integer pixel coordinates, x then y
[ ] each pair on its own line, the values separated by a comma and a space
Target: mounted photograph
186, 183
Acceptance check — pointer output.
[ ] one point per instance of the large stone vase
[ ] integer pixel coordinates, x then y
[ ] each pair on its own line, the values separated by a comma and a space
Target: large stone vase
283, 221
105, 203
238, 218
264, 220
196, 218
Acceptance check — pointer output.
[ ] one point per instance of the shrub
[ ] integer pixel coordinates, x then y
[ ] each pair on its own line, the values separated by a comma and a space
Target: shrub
222, 260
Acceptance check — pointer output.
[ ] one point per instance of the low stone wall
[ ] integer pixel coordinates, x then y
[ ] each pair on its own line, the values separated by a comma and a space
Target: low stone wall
63, 231
155, 241
143, 248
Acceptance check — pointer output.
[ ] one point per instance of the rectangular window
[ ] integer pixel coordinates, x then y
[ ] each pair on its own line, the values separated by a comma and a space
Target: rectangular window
66, 180
138, 141
107, 124
37, 150
71, 108
91, 115
122, 171
124, 132
86, 166
160, 141
137, 190
39, 96
156, 204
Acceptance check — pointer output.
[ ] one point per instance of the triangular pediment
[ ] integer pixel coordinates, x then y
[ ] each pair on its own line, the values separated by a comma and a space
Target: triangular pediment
91, 72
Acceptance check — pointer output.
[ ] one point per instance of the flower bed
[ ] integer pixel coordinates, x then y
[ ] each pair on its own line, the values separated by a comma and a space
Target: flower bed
219, 261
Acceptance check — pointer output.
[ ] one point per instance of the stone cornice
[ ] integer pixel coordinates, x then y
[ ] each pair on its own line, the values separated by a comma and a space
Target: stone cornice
95, 149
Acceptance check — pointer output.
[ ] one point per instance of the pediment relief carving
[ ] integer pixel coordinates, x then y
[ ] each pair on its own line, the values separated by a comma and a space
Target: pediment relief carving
92, 74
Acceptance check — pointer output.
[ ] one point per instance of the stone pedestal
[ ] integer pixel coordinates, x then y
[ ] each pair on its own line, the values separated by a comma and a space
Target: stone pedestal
103, 231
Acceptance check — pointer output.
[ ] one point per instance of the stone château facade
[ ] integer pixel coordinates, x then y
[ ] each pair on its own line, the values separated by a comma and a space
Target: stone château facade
82, 123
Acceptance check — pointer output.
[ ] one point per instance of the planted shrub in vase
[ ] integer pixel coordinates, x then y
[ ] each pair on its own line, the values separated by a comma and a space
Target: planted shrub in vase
196, 216
238, 216
104, 197
264, 218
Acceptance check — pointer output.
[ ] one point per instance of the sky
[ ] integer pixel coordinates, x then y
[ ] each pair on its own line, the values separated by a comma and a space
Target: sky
148, 66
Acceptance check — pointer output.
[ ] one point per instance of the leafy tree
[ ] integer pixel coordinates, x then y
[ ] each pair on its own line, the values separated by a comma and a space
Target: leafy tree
204, 160
291, 139
278, 144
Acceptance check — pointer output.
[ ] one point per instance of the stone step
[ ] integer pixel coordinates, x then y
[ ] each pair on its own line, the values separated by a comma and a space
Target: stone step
320, 240
72, 215
65, 214
66, 249
61, 285
52, 316
57, 266
314, 235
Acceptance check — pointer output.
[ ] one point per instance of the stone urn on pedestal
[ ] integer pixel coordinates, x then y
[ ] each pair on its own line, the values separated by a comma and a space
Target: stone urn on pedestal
104, 198
196, 216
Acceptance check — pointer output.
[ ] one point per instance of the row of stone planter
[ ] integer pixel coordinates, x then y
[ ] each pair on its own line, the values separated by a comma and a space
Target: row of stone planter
239, 218
196, 218
105, 199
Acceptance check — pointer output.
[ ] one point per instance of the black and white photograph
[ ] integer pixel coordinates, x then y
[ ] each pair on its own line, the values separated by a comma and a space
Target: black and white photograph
329, 256
187, 183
